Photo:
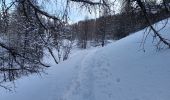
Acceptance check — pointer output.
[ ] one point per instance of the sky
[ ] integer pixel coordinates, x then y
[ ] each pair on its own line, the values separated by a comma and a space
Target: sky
75, 12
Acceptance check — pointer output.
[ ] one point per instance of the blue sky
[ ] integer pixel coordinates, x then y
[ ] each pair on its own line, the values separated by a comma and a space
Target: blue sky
56, 7
75, 12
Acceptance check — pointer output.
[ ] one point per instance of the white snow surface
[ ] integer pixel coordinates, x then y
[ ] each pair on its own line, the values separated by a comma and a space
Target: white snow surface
119, 71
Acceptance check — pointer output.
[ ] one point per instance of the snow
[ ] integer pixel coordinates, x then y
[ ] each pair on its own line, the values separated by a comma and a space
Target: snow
119, 71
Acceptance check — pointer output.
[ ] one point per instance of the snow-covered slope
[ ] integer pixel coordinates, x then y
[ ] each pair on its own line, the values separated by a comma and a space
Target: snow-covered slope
122, 71
119, 71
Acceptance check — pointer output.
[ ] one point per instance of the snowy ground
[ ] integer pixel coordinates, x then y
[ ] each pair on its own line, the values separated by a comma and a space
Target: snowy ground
119, 71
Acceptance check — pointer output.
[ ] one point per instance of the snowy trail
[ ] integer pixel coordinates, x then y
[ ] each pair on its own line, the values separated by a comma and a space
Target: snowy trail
82, 86
94, 79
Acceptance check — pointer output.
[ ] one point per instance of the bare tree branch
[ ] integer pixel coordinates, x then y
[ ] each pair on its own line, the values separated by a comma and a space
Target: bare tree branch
150, 25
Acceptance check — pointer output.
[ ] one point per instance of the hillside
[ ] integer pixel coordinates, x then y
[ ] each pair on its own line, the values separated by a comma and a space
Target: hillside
118, 71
